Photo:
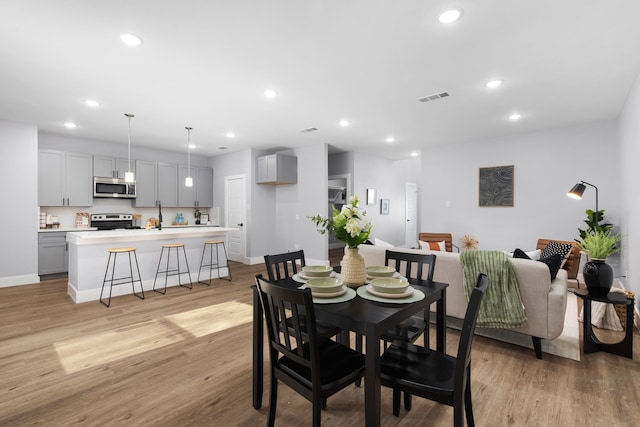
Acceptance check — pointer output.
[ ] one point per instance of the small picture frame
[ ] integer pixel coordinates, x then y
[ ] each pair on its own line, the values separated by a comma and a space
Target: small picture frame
384, 206
371, 196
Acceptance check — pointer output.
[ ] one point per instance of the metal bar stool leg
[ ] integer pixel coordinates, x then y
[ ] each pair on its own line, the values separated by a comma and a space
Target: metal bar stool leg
226, 262
158, 271
106, 271
184, 252
139, 277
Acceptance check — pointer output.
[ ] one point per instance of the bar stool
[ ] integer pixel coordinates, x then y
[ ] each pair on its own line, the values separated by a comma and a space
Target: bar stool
174, 271
214, 244
121, 280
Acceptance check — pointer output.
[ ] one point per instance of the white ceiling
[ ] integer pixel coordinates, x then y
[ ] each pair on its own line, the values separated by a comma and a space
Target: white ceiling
206, 64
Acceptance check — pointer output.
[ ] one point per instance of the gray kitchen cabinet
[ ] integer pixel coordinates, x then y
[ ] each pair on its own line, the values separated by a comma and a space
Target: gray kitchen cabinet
53, 255
277, 169
111, 167
156, 183
201, 194
64, 179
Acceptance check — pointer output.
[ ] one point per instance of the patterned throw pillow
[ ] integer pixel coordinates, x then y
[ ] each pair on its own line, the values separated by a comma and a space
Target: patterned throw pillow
562, 249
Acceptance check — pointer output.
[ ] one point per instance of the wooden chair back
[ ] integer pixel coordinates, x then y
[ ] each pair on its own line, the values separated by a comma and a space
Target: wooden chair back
573, 261
438, 237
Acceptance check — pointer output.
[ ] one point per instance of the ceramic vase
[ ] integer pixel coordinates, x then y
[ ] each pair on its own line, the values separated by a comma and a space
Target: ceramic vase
598, 276
352, 268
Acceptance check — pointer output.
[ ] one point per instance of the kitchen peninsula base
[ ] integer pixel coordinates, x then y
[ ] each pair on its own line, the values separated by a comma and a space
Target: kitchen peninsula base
88, 252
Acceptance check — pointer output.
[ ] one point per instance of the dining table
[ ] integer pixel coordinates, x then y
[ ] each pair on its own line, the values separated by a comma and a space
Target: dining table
365, 317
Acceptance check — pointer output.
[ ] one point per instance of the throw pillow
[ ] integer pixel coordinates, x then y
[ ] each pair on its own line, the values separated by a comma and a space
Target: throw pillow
380, 242
519, 253
553, 262
562, 249
432, 246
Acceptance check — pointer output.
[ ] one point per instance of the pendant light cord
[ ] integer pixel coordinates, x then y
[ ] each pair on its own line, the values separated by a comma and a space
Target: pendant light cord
129, 116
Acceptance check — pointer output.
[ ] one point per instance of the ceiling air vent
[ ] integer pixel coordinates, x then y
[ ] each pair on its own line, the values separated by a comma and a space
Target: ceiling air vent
307, 130
434, 97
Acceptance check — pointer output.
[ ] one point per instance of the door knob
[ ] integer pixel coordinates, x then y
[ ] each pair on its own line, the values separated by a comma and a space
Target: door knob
240, 225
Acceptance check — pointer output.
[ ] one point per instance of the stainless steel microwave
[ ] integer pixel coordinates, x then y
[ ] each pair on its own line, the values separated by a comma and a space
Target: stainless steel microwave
113, 187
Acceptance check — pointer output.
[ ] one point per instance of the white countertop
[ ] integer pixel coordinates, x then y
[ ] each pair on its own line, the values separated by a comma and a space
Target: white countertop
110, 236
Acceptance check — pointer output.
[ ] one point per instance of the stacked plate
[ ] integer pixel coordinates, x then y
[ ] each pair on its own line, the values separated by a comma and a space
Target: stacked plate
326, 287
311, 271
389, 287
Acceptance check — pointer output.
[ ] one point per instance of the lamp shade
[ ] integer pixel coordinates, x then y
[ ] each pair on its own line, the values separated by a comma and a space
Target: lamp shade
577, 191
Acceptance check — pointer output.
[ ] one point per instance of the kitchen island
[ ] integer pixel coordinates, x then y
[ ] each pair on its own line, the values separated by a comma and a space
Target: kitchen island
88, 254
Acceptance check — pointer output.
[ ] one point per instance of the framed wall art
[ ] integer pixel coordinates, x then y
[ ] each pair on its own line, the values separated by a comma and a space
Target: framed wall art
496, 186
371, 196
384, 206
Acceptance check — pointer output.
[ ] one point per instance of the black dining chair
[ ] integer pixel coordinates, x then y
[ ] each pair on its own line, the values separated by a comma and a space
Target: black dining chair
417, 266
314, 366
285, 265
435, 375
281, 266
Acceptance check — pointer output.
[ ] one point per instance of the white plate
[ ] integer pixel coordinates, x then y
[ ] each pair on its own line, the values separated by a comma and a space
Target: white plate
329, 294
396, 275
405, 294
304, 276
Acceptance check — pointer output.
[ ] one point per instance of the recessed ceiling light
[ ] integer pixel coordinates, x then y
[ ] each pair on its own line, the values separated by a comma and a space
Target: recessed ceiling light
192, 146
493, 84
344, 123
91, 103
270, 93
70, 125
449, 16
414, 154
391, 139
230, 135
130, 39
515, 116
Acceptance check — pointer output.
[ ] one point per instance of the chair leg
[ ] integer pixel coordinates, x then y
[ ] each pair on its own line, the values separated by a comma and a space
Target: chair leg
468, 408
317, 412
407, 401
359, 350
273, 398
184, 252
396, 402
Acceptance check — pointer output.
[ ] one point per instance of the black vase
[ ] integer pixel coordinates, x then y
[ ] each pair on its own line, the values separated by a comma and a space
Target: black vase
598, 275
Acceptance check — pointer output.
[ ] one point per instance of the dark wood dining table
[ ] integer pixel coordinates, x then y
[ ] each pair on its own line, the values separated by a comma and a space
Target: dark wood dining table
367, 318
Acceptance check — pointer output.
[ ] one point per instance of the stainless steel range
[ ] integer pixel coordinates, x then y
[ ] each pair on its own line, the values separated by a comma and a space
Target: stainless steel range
112, 221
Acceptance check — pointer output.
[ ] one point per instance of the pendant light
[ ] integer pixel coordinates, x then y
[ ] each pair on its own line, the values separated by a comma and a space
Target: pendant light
129, 176
188, 181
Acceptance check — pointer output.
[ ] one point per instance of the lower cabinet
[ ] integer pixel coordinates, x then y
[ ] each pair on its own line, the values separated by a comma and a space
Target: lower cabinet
53, 256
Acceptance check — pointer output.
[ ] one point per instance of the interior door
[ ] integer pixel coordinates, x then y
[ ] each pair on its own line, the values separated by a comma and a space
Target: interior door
235, 202
411, 214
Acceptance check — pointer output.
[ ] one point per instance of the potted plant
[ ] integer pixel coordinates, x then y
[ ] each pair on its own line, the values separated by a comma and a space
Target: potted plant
351, 226
598, 275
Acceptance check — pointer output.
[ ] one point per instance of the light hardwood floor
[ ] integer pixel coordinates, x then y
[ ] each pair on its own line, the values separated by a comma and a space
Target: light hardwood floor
184, 359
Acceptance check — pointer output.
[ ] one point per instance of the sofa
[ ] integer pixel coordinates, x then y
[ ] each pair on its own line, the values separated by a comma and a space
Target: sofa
544, 300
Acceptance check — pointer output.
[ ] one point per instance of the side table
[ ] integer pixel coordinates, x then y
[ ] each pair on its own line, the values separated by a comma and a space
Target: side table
590, 343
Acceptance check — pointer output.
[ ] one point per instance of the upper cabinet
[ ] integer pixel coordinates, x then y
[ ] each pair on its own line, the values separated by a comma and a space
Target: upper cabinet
64, 179
201, 194
111, 167
277, 169
156, 183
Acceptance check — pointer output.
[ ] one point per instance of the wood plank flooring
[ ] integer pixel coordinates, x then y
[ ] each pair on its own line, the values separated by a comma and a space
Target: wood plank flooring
184, 359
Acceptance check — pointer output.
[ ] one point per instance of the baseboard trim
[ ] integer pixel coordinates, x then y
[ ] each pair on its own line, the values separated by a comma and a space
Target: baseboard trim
27, 279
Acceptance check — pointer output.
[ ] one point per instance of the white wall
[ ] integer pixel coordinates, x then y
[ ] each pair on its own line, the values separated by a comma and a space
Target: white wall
629, 130
19, 208
547, 164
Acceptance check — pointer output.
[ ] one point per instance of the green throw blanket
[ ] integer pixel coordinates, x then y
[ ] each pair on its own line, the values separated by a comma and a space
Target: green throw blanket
502, 306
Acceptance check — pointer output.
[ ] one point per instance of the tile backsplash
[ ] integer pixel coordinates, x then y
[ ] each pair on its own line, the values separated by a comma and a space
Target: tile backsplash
67, 215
